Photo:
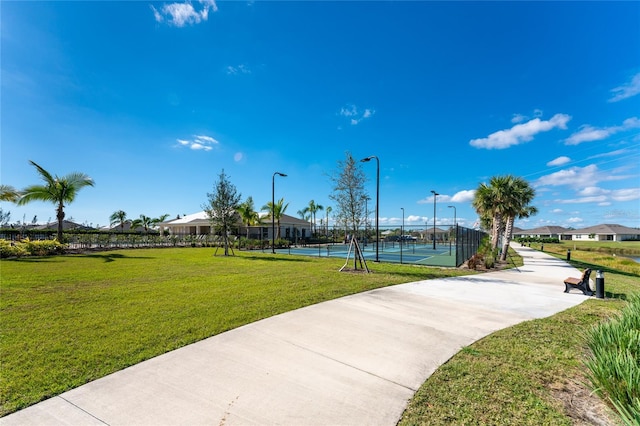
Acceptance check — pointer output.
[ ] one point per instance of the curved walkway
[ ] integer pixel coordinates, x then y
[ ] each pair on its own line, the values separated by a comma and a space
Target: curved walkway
351, 361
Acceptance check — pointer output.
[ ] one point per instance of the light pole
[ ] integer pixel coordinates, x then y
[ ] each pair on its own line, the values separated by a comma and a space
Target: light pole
273, 210
364, 160
435, 194
401, 233
455, 222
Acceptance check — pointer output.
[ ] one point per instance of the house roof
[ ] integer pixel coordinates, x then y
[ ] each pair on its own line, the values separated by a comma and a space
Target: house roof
543, 230
203, 219
66, 225
606, 229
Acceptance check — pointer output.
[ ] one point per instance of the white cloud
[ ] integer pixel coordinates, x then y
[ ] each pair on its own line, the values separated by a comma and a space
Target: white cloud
181, 14
197, 146
557, 211
625, 194
240, 69
574, 220
610, 154
355, 117
626, 90
520, 133
518, 118
199, 143
238, 156
463, 196
559, 161
589, 133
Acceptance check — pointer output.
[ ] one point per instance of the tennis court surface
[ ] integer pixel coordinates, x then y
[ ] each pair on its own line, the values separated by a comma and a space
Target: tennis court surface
394, 252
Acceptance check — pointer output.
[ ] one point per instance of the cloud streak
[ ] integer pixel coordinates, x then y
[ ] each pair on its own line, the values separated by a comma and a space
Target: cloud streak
626, 90
520, 133
198, 143
588, 133
181, 14
353, 114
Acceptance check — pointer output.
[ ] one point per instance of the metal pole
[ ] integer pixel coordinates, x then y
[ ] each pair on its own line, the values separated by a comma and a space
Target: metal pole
435, 194
364, 160
273, 210
401, 233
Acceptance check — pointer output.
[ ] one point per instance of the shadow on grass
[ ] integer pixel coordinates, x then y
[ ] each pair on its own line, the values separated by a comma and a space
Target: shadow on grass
584, 265
280, 258
110, 257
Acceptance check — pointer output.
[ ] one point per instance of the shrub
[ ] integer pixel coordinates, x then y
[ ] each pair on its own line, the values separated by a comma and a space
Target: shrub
7, 249
42, 247
614, 365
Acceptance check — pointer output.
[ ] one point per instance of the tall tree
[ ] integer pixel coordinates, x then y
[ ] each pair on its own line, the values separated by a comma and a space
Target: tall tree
313, 208
57, 190
222, 208
328, 211
348, 192
9, 193
520, 195
278, 211
119, 217
248, 214
304, 214
499, 203
143, 221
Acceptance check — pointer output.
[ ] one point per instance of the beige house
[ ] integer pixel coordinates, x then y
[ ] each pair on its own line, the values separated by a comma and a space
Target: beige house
605, 232
291, 228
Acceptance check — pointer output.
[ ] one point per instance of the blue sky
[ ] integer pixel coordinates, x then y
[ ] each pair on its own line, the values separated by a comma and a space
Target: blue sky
153, 100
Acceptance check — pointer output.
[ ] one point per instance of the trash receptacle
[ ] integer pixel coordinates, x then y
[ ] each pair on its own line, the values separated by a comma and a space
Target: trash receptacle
599, 284
568, 254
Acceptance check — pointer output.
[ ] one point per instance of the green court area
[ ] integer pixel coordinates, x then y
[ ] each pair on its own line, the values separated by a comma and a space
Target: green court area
393, 252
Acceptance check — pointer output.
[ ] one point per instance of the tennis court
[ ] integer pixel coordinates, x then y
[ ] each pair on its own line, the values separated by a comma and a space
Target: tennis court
393, 252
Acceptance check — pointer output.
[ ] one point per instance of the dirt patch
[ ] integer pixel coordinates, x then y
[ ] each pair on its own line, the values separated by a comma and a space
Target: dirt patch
581, 405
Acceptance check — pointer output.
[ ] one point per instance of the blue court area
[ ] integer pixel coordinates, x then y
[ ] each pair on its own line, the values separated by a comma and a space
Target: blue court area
414, 253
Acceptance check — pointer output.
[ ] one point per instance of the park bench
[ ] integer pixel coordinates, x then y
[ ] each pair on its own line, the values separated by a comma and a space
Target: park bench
581, 283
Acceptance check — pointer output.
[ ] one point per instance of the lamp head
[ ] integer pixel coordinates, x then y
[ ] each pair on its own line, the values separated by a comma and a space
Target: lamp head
364, 160
280, 174
434, 193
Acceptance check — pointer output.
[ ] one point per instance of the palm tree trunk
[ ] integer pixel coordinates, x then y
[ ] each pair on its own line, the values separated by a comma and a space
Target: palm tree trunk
508, 235
60, 216
495, 232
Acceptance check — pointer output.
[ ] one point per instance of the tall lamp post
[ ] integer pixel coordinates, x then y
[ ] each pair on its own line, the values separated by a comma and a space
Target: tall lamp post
273, 210
364, 160
455, 222
435, 194
401, 233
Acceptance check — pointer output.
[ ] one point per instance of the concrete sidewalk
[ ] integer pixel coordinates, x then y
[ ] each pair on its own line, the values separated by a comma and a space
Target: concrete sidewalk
351, 361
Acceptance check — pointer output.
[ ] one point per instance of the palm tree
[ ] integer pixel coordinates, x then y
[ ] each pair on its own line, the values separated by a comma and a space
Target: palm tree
278, 210
9, 193
57, 190
327, 211
313, 209
155, 221
248, 215
520, 194
499, 203
304, 214
120, 217
489, 202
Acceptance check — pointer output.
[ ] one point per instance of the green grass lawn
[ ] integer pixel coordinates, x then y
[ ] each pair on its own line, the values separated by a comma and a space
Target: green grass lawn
67, 320
531, 373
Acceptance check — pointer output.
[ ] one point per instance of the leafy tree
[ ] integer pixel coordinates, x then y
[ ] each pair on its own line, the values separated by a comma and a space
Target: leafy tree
222, 208
57, 190
328, 211
348, 192
248, 214
278, 210
9, 193
119, 216
4, 217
